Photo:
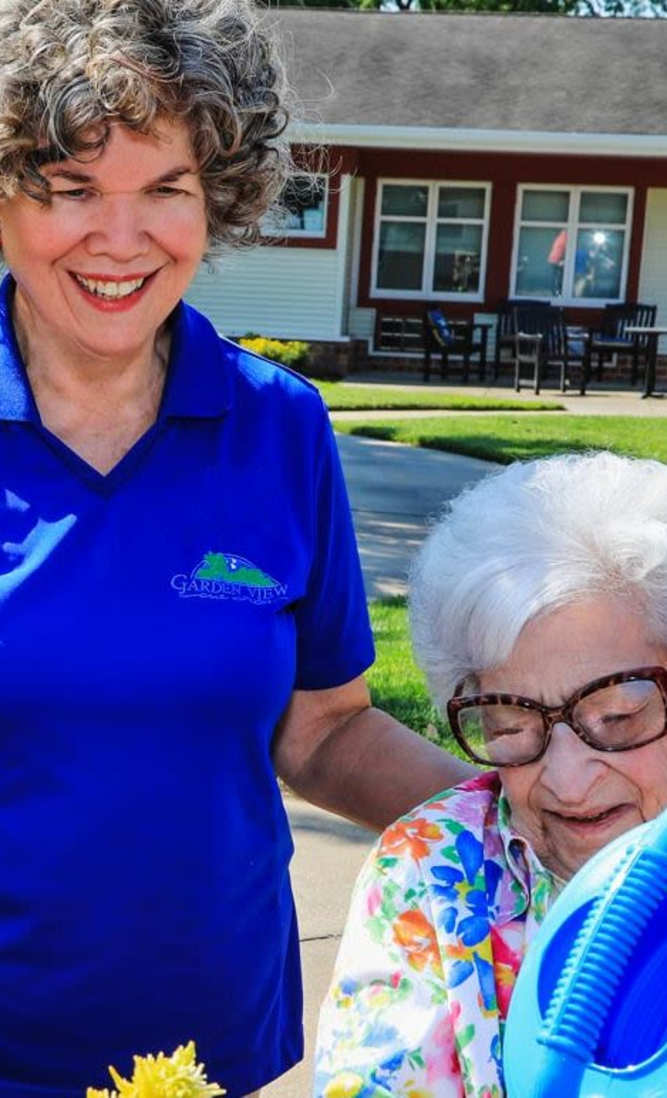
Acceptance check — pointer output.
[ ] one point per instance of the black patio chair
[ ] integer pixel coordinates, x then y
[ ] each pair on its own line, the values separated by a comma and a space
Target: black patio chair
542, 339
453, 337
505, 330
611, 339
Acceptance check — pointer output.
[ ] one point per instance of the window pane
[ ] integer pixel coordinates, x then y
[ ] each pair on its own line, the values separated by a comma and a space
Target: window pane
597, 263
461, 202
401, 256
604, 207
302, 207
540, 262
545, 205
457, 257
404, 201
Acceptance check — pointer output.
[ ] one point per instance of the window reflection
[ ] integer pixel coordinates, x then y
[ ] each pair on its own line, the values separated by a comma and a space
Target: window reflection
541, 262
598, 263
401, 255
431, 238
458, 249
404, 201
572, 244
301, 210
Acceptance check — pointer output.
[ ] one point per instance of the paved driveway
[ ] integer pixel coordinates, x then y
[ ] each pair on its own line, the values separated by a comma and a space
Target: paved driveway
394, 492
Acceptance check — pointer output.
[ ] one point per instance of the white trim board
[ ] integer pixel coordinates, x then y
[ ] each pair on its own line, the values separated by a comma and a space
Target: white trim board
466, 140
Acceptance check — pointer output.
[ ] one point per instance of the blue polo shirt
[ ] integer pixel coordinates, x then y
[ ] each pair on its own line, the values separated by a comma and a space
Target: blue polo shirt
153, 624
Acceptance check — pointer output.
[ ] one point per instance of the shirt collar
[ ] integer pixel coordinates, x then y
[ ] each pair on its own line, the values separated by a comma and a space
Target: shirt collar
16, 399
535, 884
198, 376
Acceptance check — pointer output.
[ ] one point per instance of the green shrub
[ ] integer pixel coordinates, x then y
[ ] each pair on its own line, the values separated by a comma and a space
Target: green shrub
290, 353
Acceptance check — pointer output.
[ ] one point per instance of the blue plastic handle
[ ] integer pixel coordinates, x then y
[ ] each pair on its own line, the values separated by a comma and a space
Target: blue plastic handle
588, 1015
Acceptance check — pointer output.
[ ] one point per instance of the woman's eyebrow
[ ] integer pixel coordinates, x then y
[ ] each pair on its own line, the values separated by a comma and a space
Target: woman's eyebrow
72, 177
174, 173
83, 177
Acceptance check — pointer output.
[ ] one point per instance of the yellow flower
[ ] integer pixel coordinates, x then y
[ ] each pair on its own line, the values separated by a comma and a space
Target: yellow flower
346, 1085
176, 1076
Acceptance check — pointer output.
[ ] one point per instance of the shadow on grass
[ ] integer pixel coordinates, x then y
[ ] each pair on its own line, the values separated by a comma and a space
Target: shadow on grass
485, 447
445, 406
391, 600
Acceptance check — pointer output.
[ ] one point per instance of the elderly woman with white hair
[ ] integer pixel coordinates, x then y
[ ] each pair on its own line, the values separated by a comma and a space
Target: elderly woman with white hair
539, 613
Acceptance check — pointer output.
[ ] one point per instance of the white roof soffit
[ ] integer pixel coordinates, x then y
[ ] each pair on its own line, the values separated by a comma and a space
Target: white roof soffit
516, 141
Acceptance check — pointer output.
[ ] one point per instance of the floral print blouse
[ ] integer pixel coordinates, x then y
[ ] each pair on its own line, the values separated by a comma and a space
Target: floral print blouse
441, 916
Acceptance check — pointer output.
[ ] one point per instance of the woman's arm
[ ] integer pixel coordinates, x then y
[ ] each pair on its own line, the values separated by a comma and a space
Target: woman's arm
334, 749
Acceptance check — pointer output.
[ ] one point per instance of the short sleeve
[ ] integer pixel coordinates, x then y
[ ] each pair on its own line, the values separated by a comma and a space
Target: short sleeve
385, 1028
334, 639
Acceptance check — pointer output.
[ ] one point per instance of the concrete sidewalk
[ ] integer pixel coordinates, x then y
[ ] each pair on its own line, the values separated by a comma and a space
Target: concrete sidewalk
394, 490
597, 402
328, 855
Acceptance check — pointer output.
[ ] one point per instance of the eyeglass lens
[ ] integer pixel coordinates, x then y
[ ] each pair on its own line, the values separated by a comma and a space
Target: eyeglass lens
624, 715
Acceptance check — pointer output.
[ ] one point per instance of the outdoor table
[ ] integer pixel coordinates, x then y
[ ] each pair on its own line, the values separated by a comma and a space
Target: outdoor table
653, 335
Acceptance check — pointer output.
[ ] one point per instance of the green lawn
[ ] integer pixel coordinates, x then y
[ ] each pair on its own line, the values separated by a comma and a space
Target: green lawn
343, 397
396, 683
510, 438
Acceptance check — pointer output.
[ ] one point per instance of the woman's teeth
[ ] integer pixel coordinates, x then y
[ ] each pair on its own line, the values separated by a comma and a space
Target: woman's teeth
593, 818
110, 290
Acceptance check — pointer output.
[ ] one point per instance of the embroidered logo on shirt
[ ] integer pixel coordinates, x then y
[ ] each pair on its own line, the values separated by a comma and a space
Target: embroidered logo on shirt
227, 576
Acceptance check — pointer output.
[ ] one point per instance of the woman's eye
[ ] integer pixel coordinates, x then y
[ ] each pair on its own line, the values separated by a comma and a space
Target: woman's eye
76, 193
618, 718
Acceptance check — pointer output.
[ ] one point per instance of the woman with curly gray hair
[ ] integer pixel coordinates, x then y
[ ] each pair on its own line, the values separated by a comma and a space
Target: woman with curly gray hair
181, 606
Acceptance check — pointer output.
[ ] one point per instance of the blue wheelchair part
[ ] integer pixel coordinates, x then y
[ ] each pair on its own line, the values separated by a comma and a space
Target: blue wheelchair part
588, 1015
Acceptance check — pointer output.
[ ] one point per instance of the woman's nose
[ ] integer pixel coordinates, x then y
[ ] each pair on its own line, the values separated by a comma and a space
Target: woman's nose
121, 230
570, 766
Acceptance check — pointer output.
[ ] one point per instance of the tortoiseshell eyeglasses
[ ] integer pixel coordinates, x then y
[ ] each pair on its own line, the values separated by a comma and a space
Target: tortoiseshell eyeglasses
615, 713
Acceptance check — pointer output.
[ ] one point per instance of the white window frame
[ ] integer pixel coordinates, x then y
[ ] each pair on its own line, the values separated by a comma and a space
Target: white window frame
303, 234
573, 225
431, 220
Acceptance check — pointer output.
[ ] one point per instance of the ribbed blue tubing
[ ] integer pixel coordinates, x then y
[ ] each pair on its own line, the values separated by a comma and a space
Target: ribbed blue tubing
616, 951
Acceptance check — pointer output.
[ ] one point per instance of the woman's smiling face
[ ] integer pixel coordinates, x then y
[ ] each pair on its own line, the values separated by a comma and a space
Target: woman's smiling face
573, 800
100, 268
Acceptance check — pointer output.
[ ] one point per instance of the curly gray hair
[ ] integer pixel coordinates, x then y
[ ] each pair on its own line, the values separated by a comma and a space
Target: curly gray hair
70, 68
